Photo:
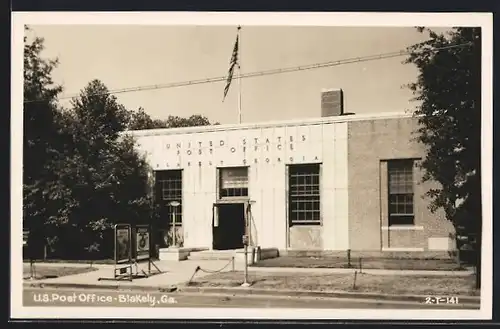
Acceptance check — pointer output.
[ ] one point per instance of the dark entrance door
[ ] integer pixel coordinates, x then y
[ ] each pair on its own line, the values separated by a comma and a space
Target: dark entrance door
228, 234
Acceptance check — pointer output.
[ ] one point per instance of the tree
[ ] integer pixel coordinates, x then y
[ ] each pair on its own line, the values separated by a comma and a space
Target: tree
99, 114
101, 180
80, 174
39, 134
141, 120
192, 121
449, 89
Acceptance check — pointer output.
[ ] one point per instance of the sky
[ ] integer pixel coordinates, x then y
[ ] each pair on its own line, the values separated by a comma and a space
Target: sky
128, 56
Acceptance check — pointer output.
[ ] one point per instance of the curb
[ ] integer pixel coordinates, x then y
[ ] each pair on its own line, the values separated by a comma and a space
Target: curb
328, 294
98, 286
250, 291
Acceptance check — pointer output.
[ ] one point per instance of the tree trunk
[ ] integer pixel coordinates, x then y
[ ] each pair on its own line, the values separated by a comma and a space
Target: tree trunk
478, 257
479, 233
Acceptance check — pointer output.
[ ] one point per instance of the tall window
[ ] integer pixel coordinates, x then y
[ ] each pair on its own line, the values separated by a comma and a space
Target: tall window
400, 174
304, 195
169, 188
233, 182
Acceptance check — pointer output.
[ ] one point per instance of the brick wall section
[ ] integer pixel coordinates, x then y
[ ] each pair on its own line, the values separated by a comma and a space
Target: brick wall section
404, 239
371, 143
332, 103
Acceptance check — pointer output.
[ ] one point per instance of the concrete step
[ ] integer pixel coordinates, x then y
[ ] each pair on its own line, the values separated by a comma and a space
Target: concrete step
212, 255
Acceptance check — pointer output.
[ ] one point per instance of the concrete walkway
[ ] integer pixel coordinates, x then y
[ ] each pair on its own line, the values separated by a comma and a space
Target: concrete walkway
175, 273
172, 273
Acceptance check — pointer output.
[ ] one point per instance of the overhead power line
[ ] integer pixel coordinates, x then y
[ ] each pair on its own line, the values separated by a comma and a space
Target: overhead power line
263, 73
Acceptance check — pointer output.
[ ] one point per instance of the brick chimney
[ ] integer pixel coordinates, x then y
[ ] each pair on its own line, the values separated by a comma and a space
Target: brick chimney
332, 102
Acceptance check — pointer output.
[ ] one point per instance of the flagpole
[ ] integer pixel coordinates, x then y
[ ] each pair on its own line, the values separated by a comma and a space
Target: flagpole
239, 75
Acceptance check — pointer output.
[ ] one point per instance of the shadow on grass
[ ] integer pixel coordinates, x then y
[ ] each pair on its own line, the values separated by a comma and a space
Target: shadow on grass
41, 272
364, 263
370, 283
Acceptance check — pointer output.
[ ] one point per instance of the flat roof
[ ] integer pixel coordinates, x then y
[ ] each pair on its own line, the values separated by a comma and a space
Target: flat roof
269, 124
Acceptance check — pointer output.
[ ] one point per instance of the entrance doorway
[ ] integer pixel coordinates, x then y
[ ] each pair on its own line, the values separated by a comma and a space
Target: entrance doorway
229, 226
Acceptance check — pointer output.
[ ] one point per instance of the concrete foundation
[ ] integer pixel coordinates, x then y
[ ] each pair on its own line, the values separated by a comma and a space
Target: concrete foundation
176, 253
370, 254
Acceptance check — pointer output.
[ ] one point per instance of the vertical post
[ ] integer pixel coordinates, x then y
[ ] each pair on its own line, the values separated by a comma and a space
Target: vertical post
149, 248
32, 270
245, 282
151, 194
239, 74
245, 251
173, 229
239, 97
249, 224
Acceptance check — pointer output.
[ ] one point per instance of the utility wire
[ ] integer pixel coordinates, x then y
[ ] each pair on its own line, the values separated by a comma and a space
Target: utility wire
262, 73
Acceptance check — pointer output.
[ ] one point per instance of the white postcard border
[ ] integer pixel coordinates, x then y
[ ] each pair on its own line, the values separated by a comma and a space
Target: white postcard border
19, 19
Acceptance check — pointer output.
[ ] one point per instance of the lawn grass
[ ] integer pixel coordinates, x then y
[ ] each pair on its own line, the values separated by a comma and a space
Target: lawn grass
386, 284
76, 261
46, 272
366, 263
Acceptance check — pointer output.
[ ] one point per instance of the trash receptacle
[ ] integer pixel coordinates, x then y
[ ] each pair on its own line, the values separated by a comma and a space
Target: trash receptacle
257, 255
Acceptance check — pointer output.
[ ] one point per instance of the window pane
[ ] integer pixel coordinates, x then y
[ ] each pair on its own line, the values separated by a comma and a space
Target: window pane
409, 208
401, 204
316, 216
234, 177
400, 174
400, 208
233, 181
304, 194
401, 220
392, 208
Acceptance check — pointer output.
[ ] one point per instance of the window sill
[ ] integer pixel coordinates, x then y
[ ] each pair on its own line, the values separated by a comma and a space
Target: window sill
234, 199
402, 228
306, 224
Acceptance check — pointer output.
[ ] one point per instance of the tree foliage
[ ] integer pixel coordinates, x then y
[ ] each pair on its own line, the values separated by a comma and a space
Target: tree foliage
81, 175
39, 110
192, 121
141, 120
449, 91
40, 139
101, 180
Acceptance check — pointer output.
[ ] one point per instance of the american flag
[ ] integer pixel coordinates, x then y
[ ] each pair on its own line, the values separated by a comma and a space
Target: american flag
232, 64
